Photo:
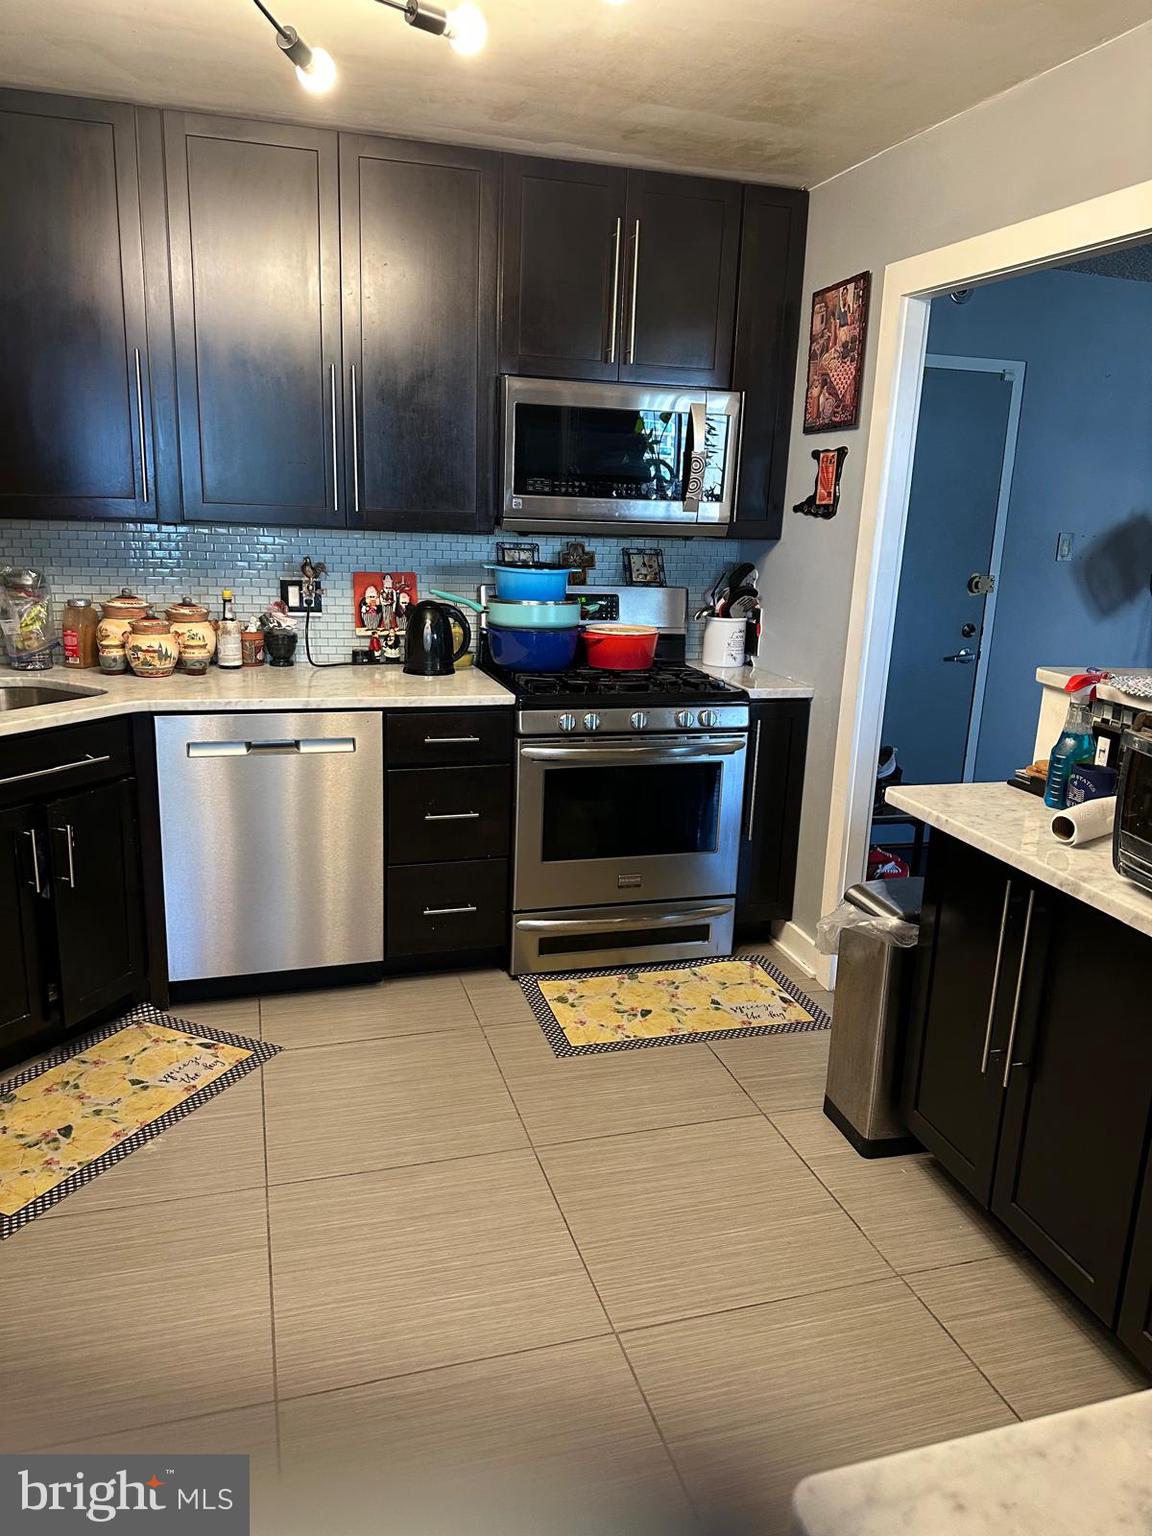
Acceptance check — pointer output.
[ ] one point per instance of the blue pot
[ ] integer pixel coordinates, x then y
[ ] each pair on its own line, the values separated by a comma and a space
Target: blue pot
531, 583
532, 650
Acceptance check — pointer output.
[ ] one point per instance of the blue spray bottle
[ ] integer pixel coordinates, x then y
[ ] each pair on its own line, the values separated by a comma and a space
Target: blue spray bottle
1076, 744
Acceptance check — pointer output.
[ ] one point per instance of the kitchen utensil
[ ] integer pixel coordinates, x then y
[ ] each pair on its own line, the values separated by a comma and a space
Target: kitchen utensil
531, 583
743, 602
725, 642
430, 647
520, 615
621, 647
532, 650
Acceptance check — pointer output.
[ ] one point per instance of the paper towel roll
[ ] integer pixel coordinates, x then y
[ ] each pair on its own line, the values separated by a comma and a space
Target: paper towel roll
1085, 823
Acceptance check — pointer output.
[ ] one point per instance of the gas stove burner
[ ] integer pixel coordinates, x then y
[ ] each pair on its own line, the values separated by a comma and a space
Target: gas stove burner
594, 682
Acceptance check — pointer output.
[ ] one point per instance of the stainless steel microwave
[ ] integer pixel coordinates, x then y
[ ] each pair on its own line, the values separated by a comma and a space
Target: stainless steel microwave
605, 458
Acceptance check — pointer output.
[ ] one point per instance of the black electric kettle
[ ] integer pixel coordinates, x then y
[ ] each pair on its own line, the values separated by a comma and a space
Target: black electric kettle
429, 649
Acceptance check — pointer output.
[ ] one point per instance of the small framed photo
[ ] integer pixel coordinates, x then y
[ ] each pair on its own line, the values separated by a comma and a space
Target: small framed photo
644, 568
518, 554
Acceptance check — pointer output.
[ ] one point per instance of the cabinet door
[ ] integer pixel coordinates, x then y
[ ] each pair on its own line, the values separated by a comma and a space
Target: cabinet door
562, 269
255, 254
771, 827
419, 252
23, 878
75, 430
764, 355
95, 873
1080, 1088
967, 971
1135, 1327
682, 241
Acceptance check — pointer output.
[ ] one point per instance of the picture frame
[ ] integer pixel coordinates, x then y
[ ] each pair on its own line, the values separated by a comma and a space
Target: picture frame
517, 554
644, 568
837, 337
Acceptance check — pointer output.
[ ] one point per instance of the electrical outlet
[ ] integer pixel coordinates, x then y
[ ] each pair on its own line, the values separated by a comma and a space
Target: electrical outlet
292, 596
1064, 542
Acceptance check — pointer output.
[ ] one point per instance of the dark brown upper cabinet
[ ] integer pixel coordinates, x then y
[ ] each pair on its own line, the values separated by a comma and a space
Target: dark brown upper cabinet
682, 238
75, 401
614, 274
254, 225
419, 240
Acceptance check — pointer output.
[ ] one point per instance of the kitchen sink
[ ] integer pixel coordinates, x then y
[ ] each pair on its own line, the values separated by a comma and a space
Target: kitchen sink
28, 695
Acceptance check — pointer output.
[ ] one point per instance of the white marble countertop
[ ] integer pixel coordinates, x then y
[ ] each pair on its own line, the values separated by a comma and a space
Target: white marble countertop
1056, 677
759, 682
1016, 827
1083, 1473
298, 687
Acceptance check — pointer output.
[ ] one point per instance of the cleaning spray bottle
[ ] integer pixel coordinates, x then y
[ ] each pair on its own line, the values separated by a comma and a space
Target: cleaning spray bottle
1077, 743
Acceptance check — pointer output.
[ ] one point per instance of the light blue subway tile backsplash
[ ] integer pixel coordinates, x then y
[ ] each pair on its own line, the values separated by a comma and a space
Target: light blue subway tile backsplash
83, 559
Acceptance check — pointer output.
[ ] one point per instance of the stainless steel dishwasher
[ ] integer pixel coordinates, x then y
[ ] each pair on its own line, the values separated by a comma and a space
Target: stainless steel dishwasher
272, 827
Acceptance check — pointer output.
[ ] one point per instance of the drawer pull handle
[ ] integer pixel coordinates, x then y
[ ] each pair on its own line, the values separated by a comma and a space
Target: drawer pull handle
448, 741
446, 911
42, 773
452, 816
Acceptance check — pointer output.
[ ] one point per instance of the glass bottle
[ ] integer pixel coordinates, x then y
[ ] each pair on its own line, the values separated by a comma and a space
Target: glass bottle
229, 652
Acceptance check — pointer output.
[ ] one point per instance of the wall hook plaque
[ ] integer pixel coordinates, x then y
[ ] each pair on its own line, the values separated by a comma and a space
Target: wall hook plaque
825, 498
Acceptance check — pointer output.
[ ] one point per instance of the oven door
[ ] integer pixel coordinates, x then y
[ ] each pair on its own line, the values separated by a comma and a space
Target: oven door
602, 822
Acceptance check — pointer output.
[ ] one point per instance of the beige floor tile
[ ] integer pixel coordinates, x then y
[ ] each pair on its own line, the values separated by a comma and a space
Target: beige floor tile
516, 1443
383, 1103
673, 1223
497, 998
243, 1432
216, 1148
752, 1401
132, 1317
379, 1274
574, 1098
907, 1206
1037, 1347
779, 1071
240, 1015
409, 1005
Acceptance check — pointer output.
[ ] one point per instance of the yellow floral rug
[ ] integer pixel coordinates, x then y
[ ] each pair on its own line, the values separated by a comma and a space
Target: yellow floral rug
589, 1011
91, 1103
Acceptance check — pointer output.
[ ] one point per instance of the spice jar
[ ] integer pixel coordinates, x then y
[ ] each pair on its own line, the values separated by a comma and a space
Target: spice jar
112, 631
78, 633
151, 648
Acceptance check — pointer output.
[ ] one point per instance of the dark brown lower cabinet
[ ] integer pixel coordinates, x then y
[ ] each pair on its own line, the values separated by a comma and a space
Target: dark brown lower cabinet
770, 829
1030, 1073
23, 999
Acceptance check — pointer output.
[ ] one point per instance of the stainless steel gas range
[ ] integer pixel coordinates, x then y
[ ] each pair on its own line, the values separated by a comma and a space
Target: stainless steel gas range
629, 792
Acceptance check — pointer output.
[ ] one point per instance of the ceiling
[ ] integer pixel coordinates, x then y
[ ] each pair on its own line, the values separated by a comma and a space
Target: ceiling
1131, 261
788, 91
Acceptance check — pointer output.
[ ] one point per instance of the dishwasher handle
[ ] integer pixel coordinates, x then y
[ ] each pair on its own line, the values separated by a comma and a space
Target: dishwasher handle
311, 746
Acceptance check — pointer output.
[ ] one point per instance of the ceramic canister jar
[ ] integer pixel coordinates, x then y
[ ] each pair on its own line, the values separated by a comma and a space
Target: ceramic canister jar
195, 634
151, 648
112, 631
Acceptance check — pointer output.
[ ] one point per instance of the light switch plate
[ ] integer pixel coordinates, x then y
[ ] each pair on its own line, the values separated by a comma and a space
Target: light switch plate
1064, 543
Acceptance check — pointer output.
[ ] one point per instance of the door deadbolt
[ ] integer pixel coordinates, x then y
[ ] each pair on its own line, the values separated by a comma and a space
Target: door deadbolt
968, 631
980, 585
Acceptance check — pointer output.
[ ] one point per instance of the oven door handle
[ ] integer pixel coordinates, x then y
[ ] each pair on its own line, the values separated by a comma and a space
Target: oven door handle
598, 924
590, 755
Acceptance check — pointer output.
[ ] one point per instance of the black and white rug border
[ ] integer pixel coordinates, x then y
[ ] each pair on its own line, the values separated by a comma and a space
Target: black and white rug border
261, 1051
562, 1046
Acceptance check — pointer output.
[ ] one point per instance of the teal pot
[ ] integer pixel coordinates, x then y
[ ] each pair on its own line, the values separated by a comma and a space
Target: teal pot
521, 615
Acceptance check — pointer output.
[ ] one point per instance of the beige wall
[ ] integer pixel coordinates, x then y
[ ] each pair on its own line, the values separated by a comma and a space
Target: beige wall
1075, 133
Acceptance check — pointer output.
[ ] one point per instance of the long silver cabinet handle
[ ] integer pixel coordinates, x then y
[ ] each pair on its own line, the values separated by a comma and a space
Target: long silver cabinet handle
635, 291
752, 787
1008, 1063
615, 289
452, 816
37, 883
602, 924
446, 911
306, 747
43, 773
448, 741
70, 877
335, 454
140, 417
995, 980
355, 447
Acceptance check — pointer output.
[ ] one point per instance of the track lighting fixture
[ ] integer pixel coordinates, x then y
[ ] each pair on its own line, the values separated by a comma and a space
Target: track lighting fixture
314, 68
463, 26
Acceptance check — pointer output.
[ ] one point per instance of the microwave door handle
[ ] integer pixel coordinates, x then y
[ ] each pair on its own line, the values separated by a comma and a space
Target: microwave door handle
693, 483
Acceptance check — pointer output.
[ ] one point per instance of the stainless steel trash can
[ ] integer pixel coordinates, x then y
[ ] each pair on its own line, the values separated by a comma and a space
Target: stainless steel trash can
869, 1021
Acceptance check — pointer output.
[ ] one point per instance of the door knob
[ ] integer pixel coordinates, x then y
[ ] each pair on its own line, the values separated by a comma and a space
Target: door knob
965, 655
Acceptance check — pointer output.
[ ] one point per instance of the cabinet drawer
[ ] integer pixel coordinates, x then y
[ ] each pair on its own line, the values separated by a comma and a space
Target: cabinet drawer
420, 740
448, 813
54, 762
435, 909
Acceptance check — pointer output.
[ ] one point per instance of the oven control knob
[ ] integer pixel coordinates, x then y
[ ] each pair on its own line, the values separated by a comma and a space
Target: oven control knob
567, 722
592, 722
708, 718
684, 718
638, 720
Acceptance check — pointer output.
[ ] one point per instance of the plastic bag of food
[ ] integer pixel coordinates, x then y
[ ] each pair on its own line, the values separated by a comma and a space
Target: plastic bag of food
26, 620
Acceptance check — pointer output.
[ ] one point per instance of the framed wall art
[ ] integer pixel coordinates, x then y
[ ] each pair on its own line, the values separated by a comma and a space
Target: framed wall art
836, 338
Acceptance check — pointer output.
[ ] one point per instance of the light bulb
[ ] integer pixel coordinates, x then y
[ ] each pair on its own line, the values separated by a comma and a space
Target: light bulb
467, 29
320, 75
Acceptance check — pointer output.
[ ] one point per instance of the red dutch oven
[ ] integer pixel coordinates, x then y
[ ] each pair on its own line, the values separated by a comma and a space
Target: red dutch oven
620, 647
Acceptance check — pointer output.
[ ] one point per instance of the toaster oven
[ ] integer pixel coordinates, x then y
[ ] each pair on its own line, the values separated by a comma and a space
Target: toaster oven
1132, 834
